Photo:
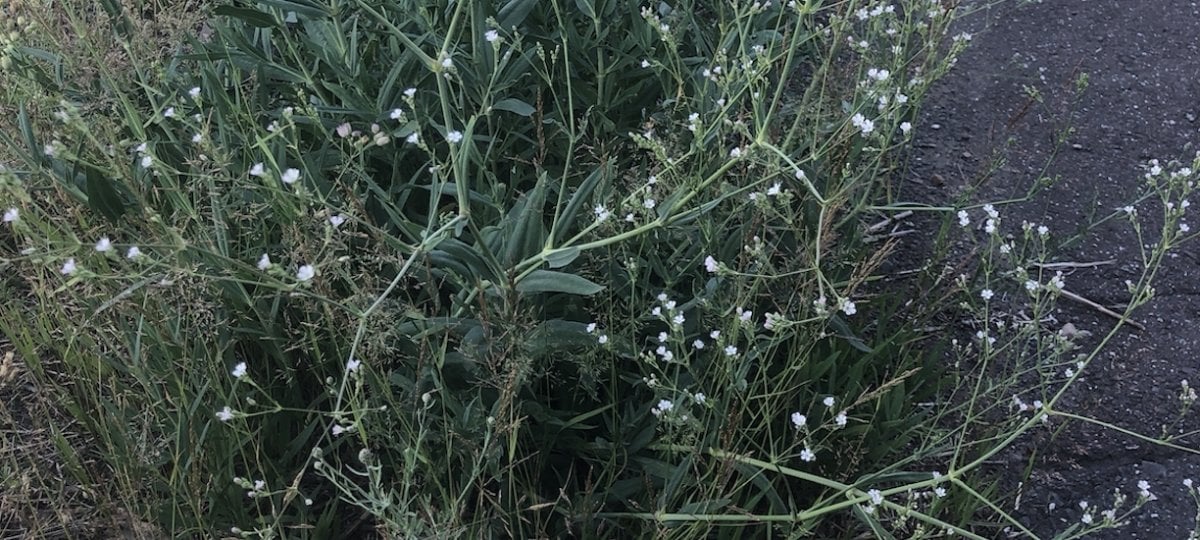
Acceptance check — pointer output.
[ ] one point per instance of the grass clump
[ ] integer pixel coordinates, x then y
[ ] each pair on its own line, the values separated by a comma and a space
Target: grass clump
447, 269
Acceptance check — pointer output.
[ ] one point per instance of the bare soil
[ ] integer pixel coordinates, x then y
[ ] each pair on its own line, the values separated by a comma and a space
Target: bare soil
1142, 59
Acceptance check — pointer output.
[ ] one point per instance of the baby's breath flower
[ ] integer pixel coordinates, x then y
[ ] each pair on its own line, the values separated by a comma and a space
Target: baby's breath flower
591, 328
290, 176
454, 137
413, 138
807, 455
197, 138
305, 272
50, 150
194, 92
1043, 230
862, 123
491, 36
774, 190
840, 419
649, 203
603, 339
169, 113
731, 350
939, 491
829, 401
225, 414
848, 307
239, 370
410, 92
103, 244
146, 162
257, 170
133, 252
876, 497
698, 344
905, 127
68, 267
337, 220
964, 219
986, 294
711, 265
11, 215
343, 130
264, 262
353, 364
447, 62
699, 398
799, 420
602, 213
337, 430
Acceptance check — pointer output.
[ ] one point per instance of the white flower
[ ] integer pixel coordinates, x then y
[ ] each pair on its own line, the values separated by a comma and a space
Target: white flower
10, 215
1031, 285
454, 137
700, 398
905, 127
169, 113
848, 307
591, 328
146, 162
337, 429
343, 130
602, 213
141, 148
986, 294
257, 170
603, 339
239, 370
698, 344
662, 407
1086, 519
305, 273
861, 122
744, 315
133, 252
662, 337
774, 190
68, 267
989, 226
731, 350
196, 138
353, 364
963, 218
939, 491
264, 262
1043, 230
447, 62
876, 497
1183, 228
1144, 487
840, 419
194, 92
711, 265
991, 211
645, 63
491, 36
829, 401
413, 138
807, 455
649, 204
678, 319
410, 92
290, 176
736, 152
225, 414
337, 220
49, 150
103, 245
799, 420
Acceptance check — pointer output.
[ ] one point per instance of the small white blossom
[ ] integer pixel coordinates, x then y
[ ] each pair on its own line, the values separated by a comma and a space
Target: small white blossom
239, 370
343, 129
454, 137
799, 420
731, 350
197, 138
264, 262
603, 339
939, 491
905, 127
491, 36
413, 138
963, 218
133, 252
649, 204
225, 414
305, 273
337, 220
645, 63
11, 215
591, 328
840, 419
698, 344
986, 294
290, 176
602, 213
68, 267
194, 92
353, 364
848, 307
447, 62
700, 398
257, 170
829, 401
169, 113
876, 497
774, 190
103, 244
1043, 230
50, 150
711, 265
146, 162
410, 92
337, 430
807, 455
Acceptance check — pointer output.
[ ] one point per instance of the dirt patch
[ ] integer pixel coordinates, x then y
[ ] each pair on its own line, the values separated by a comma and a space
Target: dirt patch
1002, 108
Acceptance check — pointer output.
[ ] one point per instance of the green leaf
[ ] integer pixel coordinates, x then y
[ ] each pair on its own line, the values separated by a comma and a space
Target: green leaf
577, 204
514, 12
103, 196
587, 8
540, 281
710, 506
562, 257
515, 106
250, 16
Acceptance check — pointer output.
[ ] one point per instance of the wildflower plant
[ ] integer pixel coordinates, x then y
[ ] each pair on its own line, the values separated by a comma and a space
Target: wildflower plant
512, 269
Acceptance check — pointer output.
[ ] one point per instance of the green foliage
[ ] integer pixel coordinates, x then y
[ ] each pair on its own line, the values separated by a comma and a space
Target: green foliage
490, 270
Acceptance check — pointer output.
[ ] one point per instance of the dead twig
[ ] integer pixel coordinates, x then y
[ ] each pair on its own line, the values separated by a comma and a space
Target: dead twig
1052, 266
1102, 309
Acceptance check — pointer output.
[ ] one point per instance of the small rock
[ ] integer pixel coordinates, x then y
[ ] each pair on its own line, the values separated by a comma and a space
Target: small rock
936, 126
1191, 117
967, 155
